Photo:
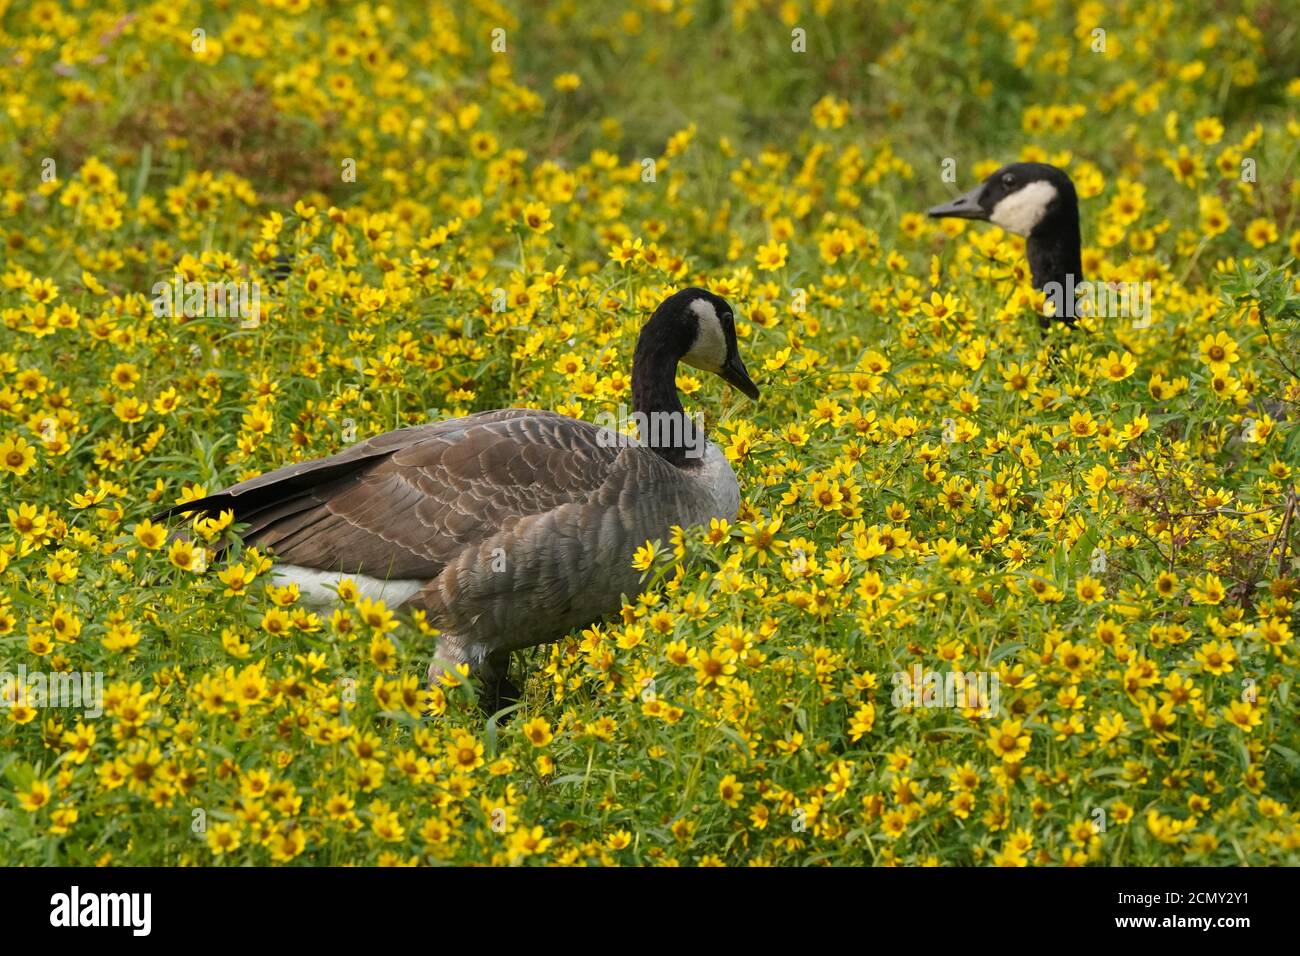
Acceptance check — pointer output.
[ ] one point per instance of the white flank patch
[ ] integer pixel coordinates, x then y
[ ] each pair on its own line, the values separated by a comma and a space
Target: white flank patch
709, 350
1024, 209
320, 588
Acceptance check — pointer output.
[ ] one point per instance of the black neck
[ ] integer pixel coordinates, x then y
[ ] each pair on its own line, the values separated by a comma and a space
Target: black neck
1054, 249
675, 437
1056, 256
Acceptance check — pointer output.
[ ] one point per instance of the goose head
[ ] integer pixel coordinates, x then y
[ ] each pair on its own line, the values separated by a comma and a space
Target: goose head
1034, 200
1024, 198
698, 328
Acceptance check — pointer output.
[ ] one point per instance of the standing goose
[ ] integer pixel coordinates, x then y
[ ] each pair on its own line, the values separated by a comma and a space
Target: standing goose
1036, 201
509, 527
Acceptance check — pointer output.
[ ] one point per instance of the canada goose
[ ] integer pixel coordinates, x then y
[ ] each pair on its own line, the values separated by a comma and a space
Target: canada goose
1039, 202
509, 527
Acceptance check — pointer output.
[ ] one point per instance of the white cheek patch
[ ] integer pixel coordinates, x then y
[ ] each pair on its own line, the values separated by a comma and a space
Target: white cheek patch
1024, 209
709, 351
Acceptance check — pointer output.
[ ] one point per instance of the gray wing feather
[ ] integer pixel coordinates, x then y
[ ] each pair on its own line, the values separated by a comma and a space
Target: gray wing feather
405, 503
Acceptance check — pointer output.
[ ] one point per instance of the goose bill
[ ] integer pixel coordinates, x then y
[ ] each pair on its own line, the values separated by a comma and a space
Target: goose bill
965, 206
733, 372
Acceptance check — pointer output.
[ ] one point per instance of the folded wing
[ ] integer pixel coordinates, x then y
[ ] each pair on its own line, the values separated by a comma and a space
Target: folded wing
405, 503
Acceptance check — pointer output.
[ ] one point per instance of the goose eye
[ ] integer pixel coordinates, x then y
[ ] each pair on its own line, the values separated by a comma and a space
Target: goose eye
1008, 179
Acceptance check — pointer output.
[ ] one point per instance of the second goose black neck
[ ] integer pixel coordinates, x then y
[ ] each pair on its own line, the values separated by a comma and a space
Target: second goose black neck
1055, 253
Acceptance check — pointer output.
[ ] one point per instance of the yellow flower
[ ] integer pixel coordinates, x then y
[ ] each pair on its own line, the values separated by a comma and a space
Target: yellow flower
465, 753
121, 636
16, 455
863, 720
223, 838
830, 112
1009, 741
376, 615
62, 819
835, 243
1208, 130
1214, 216
537, 217
1208, 590
644, 557
525, 842
771, 256
383, 653
1243, 714
277, 622
1215, 657
184, 555
714, 667
538, 732
236, 579
1218, 351
1089, 590
1117, 367
1020, 379
1159, 717
287, 843
626, 252
1261, 232
35, 797
730, 791
1167, 584
150, 535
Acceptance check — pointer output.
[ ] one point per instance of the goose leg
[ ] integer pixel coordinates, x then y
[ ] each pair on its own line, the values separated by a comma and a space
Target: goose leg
498, 690
489, 668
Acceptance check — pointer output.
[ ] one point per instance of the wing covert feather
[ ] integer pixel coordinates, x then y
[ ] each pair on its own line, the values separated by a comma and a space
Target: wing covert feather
406, 503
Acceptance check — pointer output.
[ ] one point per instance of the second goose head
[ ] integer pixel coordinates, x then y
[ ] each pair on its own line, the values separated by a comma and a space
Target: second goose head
693, 326
1034, 200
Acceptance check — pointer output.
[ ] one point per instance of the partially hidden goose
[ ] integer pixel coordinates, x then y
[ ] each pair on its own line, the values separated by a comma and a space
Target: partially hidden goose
509, 527
1037, 201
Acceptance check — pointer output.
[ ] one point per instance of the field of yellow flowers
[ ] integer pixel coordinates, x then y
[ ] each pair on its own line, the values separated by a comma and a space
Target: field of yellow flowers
453, 206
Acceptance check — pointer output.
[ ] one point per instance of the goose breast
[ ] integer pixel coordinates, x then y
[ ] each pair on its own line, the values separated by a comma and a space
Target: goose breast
570, 565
